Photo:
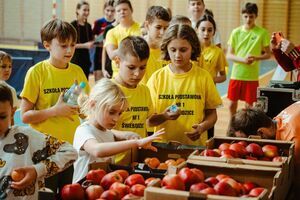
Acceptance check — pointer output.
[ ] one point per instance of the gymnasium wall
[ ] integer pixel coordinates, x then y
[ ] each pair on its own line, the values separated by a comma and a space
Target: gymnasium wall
20, 20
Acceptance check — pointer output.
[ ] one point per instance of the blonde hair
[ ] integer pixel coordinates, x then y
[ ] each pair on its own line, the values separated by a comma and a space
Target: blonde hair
104, 95
4, 55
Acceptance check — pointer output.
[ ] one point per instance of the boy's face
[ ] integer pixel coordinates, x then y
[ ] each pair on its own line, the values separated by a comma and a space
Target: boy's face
196, 7
249, 19
123, 12
131, 71
5, 70
6, 114
109, 13
156, 30
61, 53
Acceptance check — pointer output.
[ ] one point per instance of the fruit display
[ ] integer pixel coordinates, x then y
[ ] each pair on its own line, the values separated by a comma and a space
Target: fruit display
155, 163
115, 185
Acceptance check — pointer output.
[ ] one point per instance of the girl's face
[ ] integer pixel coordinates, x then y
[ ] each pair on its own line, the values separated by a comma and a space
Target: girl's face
109, 13
83, 12
108, 118
206, 32
123, 12
180, 52
5, 70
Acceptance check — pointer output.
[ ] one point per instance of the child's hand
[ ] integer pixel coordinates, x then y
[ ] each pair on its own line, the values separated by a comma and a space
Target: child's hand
30, 176
131, 136
89, 44
169, 115
146, 142
195, 133
250, 59
106, 74
63, 109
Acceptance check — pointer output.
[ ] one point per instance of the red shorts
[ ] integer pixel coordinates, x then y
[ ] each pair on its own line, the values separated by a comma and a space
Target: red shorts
242, 90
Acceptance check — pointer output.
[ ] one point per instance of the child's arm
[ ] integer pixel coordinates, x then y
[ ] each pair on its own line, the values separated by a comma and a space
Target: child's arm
157, 119
96, 149
125, 135
103, 61
60, 156
29, 115
112, 51
208, 122
264, 56
231, 56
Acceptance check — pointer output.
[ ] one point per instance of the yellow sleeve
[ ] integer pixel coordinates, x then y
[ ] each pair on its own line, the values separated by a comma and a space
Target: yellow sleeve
222, 62
111, 38
213, 99
31, 87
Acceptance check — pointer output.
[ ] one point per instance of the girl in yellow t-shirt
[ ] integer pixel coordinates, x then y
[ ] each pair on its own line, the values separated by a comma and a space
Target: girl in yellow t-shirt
185, 84
212, 58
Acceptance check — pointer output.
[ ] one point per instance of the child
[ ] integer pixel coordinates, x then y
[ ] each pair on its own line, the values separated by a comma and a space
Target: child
186, 85
212, 57
127, 26
27, 152
98, 31
42, 104
5, 72
180, 19
245, 47
85, 38
133, 54
285, 126
94, 140
197, 9
156, 23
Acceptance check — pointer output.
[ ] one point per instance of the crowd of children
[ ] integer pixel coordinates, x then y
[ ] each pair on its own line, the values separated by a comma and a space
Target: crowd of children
163, 88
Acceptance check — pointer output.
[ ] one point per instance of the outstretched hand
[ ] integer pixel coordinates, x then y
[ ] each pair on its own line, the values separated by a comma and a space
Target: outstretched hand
146, 142
30, 176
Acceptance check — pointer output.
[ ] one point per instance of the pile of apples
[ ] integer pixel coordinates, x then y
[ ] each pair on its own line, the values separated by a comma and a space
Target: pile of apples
193, 180
154, 163
241, 149
99, 185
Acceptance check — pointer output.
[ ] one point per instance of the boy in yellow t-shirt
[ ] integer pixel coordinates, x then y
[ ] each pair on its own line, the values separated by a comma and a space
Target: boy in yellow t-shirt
156, 23
126, 27
42, 104
133, 54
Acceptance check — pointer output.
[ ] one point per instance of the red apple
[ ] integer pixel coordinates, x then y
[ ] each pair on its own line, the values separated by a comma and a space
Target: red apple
94, 192
189, 177
233, 183
72, 192
249, 186
209, 152
229, 152
208, 190
152, 181
199, 174
223, 188
244, 143
221, 176
224, 146
121, 188
109, 179
95, 176
277, 159
198, 186
123, 173
270, 151
173, 181
110, 195
131, 197
134, 179
239, 149
255, 192
254, 150
212, 181
138, 190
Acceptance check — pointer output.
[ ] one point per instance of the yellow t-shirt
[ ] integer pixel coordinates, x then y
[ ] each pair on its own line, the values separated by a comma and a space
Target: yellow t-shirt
154, 63
193, 92
42, 86
213, 60
134, 118
117, 34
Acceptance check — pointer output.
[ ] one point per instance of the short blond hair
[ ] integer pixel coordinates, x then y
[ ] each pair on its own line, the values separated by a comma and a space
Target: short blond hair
104, 95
